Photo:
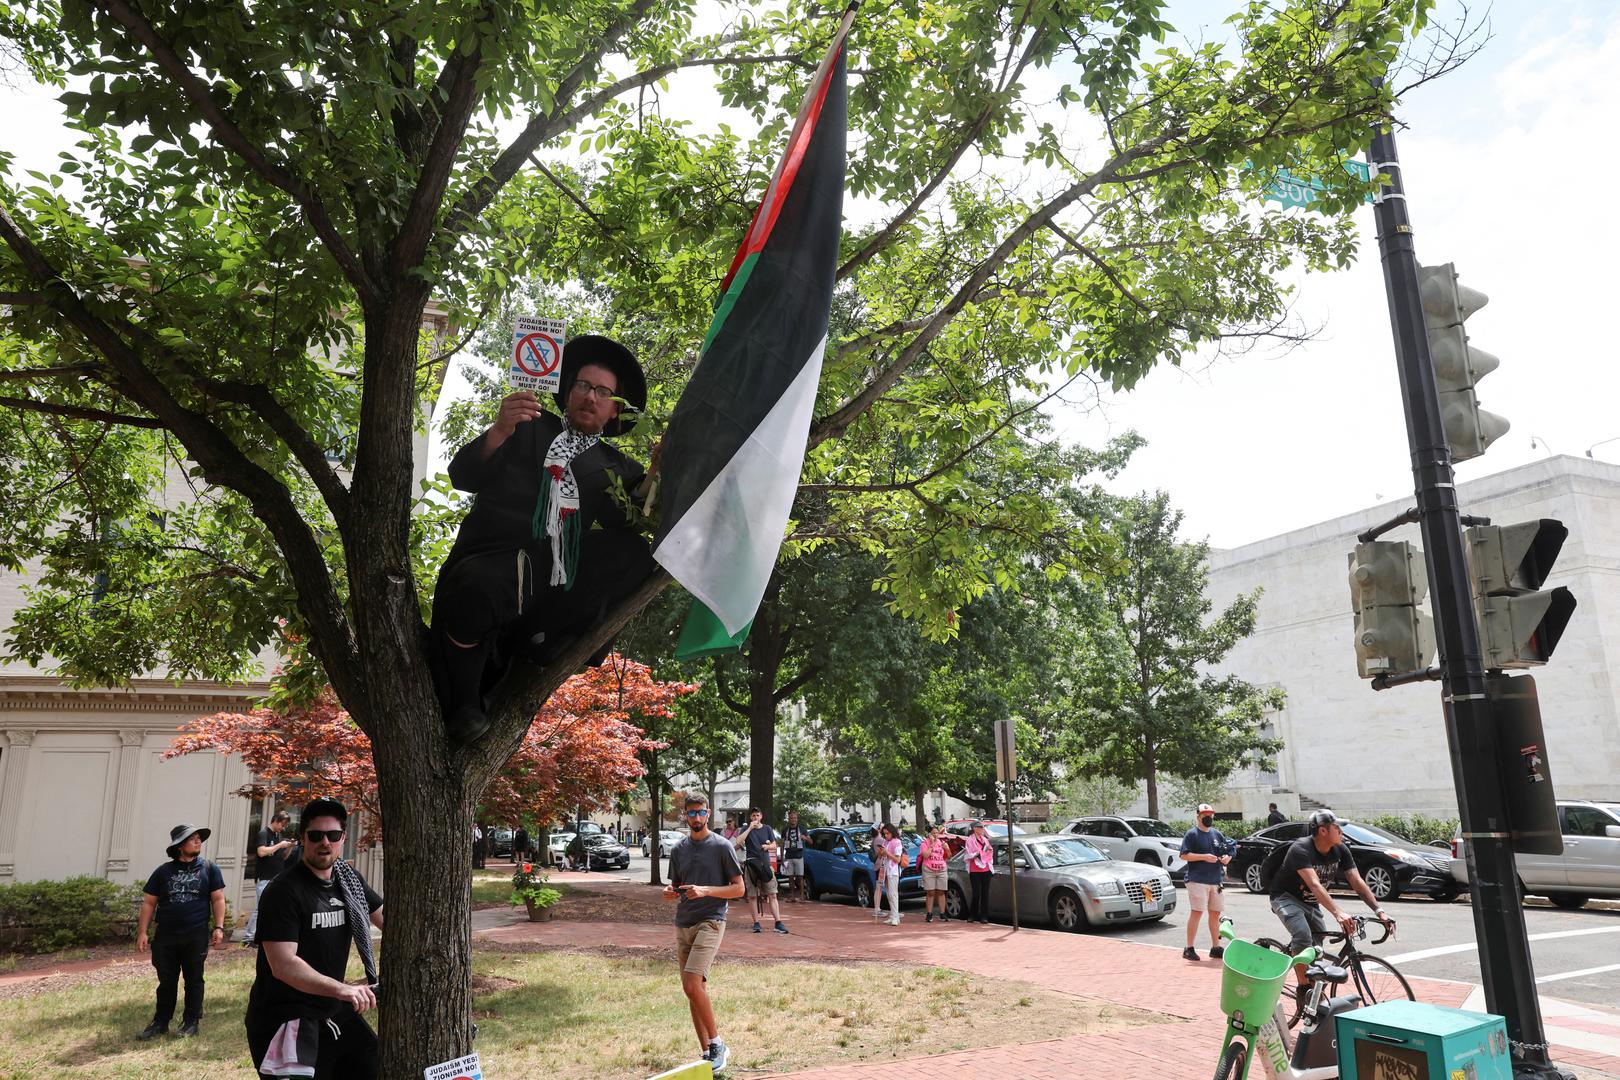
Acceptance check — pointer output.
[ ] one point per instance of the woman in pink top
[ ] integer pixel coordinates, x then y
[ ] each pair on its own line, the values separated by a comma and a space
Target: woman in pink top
979, 862
890, 854
931, 857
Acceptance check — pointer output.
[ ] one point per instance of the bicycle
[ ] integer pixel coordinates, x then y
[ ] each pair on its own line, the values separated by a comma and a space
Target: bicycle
1374, 978
1252, 978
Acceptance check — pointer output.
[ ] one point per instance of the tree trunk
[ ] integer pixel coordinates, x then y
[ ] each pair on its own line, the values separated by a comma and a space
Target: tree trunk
655, 791
427, 954
765, 650
920, 796
884, 816
1150, 765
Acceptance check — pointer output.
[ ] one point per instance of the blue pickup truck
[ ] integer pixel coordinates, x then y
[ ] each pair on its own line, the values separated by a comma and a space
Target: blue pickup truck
839, 860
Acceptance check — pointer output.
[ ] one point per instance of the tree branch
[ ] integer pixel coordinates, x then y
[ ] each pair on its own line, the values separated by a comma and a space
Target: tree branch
970, 135
797, 683
836, 424
19, 374
79, 412
310, 456
21, 299
225, 130
457, 89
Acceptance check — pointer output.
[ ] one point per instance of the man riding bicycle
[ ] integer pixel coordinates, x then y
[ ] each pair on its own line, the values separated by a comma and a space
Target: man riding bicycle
1300, 885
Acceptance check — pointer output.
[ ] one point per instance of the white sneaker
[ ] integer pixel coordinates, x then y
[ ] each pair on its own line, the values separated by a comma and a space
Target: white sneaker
895, 921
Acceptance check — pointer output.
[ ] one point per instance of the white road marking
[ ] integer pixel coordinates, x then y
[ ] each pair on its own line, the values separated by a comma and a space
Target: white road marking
1577, 974
1471, 946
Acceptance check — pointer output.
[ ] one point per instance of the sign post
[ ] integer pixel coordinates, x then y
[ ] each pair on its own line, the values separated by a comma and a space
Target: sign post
1007, 772
536, 360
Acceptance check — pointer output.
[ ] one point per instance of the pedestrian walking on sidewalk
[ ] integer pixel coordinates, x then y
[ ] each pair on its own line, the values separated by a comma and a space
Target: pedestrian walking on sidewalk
187, 893
704, 873
1206, 852
892, 856
980, 863
794, 837
931, 858
758, 845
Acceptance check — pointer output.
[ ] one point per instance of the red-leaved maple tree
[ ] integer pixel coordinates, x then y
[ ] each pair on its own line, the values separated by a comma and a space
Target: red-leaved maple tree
581, 750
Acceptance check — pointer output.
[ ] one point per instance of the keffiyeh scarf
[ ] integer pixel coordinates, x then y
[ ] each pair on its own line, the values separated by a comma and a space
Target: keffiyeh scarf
354, 898
556, 511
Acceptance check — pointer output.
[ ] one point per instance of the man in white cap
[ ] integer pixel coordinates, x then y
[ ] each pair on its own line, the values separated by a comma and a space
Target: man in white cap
187, 894
1206, 852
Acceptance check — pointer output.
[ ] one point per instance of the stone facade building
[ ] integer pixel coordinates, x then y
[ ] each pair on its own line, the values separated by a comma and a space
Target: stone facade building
1361, 751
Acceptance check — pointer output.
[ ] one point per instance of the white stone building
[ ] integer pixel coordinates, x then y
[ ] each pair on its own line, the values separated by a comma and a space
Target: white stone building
1361, 751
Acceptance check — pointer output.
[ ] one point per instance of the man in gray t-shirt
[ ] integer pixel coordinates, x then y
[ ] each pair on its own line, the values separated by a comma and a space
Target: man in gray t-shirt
703, 874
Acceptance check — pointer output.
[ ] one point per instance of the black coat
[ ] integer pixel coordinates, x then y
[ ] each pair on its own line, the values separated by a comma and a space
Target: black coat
508, 485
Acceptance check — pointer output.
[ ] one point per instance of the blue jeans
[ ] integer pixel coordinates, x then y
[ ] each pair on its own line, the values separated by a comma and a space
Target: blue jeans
1300, 919
253, 916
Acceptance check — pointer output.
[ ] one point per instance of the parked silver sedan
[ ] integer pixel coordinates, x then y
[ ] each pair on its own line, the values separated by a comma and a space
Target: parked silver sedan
1067, 883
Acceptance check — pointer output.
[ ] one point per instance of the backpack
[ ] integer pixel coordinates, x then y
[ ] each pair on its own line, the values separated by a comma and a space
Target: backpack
1273, 863
905, 858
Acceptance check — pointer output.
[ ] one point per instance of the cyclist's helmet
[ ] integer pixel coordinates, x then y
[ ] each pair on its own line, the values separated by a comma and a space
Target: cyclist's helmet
1322, 818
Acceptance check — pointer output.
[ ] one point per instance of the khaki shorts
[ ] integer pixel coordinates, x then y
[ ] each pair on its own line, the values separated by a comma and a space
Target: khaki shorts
696, 946
933, 880
1202, 897
750, 889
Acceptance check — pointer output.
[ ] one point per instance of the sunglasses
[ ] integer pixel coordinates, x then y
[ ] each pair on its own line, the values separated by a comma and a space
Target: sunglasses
331, 836
697, 813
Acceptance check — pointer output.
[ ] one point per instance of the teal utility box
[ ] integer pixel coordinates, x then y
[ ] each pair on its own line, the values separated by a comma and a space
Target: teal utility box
1408, 1040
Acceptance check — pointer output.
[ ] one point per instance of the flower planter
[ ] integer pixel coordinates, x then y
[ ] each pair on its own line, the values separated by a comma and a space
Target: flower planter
540, 914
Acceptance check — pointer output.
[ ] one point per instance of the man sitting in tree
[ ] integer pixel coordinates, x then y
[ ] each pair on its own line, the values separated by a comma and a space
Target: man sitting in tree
546, 549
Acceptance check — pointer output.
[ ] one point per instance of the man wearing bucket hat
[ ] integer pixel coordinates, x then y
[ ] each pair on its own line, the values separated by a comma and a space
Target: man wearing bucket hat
546, 549
187, 894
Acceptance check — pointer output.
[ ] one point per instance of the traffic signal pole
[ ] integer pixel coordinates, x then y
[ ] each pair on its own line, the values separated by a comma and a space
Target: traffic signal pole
1504, 950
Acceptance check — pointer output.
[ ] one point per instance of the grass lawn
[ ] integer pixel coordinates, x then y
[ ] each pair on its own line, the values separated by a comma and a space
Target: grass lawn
581, 1015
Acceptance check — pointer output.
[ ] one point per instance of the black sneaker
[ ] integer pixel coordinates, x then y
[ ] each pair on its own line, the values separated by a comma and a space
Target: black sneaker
757, 930
780, 928
1189, 953
929, 917
1217, 952
153, 1030
466, 725
187, 1030
719, 1056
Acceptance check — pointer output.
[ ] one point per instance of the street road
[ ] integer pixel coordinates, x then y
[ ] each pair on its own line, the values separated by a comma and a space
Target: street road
1576, 953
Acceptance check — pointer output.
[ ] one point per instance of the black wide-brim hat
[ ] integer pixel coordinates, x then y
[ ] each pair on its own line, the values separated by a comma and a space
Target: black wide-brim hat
605, 352
181, 833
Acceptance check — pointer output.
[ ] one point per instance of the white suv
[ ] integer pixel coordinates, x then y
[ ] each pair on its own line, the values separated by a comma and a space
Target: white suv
1589, 866
1133, 839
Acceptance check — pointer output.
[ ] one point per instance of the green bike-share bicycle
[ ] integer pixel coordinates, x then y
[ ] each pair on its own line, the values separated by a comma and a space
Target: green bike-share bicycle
1252, 982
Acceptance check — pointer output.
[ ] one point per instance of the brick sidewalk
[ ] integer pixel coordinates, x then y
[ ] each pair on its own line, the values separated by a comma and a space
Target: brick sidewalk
1100, 967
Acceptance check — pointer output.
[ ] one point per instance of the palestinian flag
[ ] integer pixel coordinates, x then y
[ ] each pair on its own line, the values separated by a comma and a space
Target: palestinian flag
736, 441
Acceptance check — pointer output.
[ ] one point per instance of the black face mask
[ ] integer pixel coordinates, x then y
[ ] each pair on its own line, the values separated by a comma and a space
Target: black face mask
1207, 821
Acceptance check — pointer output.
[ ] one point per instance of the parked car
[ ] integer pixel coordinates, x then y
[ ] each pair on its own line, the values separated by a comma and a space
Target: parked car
957, 830
838, 859
557, 843
605, 853
1133, 839
500, 840
1589, 866
1067, 883
667, 838
1389, 864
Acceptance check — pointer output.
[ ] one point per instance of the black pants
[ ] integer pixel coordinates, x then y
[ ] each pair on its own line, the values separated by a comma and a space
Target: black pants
979, 908
348, 1054
172, 954
479, 594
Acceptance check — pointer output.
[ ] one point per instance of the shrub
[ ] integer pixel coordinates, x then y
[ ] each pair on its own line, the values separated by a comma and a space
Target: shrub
1418, 828
44, 916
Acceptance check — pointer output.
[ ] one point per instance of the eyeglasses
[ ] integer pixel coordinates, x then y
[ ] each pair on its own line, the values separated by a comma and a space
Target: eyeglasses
697, 813
331, 836
600, 393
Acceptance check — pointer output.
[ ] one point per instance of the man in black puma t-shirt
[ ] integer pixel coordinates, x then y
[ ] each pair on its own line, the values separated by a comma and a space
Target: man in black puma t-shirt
304, 938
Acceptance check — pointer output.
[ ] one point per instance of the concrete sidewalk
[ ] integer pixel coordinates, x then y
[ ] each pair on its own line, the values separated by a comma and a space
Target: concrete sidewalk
1100, 967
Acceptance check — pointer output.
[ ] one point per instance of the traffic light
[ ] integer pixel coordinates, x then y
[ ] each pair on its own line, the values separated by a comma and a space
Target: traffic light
1458, 367
1387, 580
1519, 624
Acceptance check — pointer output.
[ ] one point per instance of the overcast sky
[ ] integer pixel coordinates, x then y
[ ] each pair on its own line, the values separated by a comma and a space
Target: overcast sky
1506, 166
